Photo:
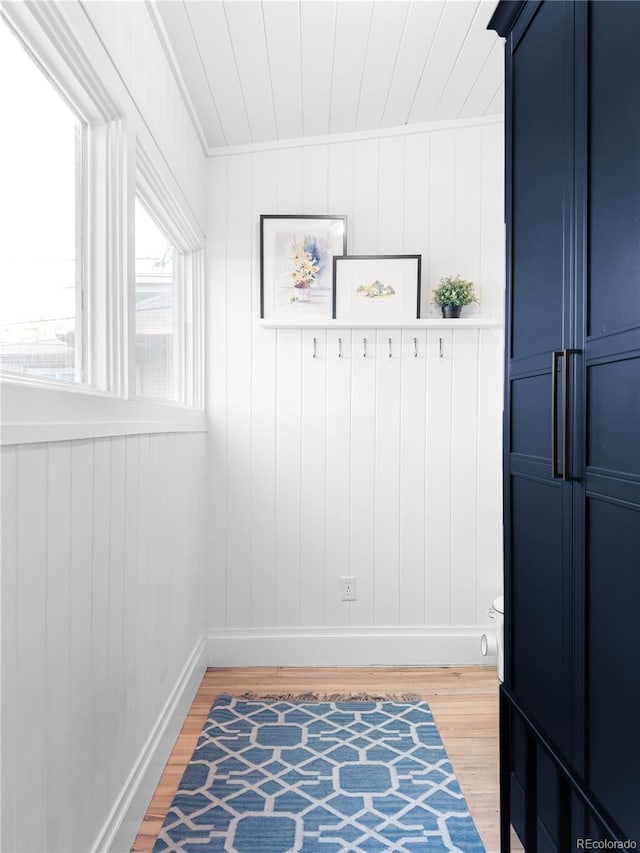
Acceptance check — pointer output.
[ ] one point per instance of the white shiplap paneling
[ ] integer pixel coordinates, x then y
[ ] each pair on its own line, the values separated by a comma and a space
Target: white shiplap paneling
438, 484
9, 659
353, 22
238, 400
30, 640
317, 27
417, 43
480, 98
386, 459
472, 59
313, 464
246, 24
497, 102
102, 574
59, 642
411, 467
263, 399
282, 70
209, 26
387, 28
190, 73
337, 479
384, 468
362, 508
282, 32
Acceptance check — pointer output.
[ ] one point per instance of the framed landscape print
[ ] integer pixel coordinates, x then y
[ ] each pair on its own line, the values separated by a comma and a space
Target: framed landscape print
296, 266
374, 289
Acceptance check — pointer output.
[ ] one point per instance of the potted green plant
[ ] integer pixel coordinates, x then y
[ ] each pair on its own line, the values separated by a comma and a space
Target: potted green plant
453, 294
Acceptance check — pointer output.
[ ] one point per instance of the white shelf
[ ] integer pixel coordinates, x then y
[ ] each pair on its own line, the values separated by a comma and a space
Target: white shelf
426, 323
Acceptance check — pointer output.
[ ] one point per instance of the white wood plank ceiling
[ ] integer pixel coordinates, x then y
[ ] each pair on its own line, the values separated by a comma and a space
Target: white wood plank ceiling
256, 71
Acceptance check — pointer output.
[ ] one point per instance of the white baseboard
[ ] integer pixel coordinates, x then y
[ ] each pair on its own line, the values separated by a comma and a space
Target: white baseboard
339, 646
122, 825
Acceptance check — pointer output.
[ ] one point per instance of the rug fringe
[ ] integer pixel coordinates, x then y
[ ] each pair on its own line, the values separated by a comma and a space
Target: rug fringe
330, 697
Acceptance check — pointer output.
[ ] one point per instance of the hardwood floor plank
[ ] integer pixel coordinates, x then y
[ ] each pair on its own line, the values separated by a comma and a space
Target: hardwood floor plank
464, 702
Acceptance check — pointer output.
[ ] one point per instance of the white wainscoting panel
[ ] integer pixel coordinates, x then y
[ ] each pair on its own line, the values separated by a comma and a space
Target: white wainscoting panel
102, 578
387, 469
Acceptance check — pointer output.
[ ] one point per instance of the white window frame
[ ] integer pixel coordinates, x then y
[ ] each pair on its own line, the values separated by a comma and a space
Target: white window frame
59, 57
48, 69
189, 276
104, 404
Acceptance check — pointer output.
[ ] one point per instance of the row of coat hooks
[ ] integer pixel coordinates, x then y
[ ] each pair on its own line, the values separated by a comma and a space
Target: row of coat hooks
389, 348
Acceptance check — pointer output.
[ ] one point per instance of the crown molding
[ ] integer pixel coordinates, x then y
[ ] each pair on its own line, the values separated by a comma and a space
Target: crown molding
356, 136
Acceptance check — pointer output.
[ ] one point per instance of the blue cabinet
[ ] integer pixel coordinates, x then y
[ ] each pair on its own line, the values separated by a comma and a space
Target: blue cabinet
570, 739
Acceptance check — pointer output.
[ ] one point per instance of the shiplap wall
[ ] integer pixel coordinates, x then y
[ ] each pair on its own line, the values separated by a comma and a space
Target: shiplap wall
102, 575
387, 469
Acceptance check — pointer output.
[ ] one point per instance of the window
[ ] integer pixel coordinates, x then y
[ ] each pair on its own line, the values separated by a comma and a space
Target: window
42, 150
157, 302
108, 317
169, 292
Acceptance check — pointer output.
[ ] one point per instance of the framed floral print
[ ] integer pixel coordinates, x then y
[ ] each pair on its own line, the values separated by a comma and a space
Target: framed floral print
296, 266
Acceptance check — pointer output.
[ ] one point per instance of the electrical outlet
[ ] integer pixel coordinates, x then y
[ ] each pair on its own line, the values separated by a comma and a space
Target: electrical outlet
348, 588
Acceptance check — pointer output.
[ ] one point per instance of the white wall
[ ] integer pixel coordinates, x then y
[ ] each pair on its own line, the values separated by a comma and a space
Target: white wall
102, 599
102, 537
386, 469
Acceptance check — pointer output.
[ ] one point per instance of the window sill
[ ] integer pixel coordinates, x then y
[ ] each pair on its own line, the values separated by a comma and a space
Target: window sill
32, 414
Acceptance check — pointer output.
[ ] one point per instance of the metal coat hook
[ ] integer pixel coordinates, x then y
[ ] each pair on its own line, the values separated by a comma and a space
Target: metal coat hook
339, 347
364, 347
415, 347
314, 347
441, 350
389, 344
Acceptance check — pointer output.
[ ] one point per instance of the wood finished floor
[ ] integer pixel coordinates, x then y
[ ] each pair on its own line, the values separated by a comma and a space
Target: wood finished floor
464, 702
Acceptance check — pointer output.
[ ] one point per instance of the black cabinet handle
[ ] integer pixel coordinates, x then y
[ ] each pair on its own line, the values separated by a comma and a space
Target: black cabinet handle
565, 413
555, 356
554, 414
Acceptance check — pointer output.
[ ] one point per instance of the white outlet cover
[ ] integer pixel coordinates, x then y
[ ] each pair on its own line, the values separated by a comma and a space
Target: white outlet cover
348, 588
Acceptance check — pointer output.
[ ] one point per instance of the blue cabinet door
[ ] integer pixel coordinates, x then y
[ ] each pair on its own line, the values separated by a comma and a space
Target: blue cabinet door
537, 496
612, 411
539, 490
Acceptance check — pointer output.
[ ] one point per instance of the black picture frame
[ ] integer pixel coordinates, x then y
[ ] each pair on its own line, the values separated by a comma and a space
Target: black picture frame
296, 265
360, 294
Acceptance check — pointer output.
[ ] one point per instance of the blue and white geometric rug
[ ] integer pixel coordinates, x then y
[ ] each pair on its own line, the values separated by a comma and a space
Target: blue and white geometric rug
318, 777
